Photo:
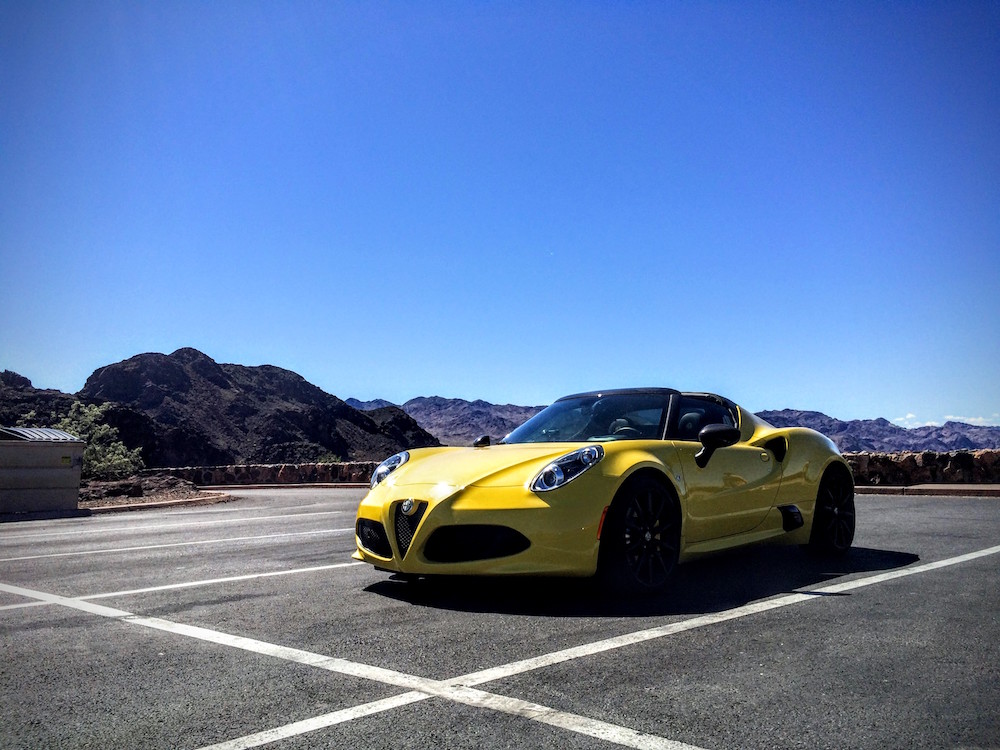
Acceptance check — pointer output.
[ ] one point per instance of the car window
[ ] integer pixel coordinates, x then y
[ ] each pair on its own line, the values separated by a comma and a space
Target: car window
618, 416
696, 412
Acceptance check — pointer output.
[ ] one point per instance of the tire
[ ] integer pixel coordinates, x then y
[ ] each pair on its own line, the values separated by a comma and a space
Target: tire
833, 519
641, 537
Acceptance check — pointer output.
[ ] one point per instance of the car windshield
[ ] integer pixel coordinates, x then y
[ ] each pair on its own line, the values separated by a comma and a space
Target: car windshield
617, 416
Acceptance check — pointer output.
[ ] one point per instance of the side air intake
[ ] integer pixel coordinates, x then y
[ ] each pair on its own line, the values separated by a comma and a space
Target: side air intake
372, 536
791, 517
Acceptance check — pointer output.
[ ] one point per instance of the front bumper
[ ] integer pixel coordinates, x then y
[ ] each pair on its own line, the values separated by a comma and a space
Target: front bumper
446, 530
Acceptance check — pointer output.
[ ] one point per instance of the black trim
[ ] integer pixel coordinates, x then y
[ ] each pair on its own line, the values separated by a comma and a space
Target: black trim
405, 526
675, 406
778, 446
791, 517
372, 536
470, 542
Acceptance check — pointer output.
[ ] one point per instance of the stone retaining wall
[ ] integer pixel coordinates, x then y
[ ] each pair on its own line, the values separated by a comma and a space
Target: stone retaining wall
342, 473
905, 469
870, 469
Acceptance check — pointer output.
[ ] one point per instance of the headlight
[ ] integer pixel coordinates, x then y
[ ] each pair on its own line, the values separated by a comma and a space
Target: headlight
388, 466
567, 468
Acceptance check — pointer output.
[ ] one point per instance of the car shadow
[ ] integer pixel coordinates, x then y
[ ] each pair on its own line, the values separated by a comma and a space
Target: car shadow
712, 584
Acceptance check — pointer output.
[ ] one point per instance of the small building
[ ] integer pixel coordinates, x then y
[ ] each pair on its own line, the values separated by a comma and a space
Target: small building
39, 469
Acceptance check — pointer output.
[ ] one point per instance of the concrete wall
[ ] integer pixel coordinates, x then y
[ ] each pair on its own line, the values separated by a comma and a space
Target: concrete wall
39, 476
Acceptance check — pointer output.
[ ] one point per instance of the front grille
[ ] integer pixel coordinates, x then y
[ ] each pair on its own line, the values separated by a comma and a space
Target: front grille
406, 525
372, 536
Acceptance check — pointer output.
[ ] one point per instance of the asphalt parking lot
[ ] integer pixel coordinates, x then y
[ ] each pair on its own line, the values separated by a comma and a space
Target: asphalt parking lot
247, 624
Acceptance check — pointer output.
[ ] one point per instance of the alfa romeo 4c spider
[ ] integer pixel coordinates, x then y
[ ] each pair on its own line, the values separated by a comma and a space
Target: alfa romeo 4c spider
623, 484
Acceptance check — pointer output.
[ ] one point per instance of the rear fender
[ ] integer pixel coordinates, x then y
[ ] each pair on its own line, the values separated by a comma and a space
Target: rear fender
810, 455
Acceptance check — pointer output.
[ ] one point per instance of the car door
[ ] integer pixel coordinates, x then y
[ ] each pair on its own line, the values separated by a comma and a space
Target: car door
734, 492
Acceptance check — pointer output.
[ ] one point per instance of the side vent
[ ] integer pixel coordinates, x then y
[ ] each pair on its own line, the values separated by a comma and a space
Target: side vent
791, 517
778, 446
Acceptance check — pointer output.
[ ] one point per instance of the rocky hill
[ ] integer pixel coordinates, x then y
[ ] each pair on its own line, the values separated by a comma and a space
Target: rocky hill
455, 421
19, 398
185, 409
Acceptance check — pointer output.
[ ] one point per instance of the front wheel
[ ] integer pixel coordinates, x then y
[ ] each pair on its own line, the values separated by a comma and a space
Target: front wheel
833, 519
640, 540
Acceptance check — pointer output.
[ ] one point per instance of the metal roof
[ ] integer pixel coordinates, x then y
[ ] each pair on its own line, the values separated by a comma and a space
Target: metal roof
37, 434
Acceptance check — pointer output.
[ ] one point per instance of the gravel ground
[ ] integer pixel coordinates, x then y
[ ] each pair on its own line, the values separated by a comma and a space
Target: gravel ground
136, 489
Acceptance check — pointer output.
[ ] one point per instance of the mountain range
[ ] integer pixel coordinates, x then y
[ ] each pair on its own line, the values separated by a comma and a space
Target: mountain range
185, 409
459, 422
882, 436
455, 421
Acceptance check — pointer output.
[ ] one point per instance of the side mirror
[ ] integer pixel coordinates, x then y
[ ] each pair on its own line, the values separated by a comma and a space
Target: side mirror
481, 442
712, 437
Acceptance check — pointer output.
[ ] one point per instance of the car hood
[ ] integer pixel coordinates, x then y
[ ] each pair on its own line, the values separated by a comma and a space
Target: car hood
493, 466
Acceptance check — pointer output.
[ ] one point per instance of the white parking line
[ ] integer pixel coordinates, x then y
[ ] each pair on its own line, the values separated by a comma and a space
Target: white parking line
230, 579
193, 584
422, 685
460, 689
176, 544
640, 636
601, 730
533, 711
138, 527
319, 722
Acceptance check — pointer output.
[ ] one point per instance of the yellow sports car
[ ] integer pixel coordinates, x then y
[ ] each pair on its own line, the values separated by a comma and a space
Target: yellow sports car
625, 484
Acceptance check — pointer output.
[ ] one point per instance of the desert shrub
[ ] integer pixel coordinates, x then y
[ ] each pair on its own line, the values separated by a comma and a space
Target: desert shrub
106, 456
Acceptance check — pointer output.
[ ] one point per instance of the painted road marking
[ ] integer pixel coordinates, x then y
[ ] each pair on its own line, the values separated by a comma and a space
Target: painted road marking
319, 722
192, 584
177, 544
532, 711
460, 689
640, 636
424, 687
608, 644
90, 530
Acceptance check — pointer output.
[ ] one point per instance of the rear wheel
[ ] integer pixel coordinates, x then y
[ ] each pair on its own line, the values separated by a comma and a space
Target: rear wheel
833, 519
640, 540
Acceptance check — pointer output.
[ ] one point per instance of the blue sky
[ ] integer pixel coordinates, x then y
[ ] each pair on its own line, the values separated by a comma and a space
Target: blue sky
793, 204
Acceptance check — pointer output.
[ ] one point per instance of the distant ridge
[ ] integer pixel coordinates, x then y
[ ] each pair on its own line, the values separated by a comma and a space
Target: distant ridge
379, 403
186, 409
882, 436
455, 421
458, 422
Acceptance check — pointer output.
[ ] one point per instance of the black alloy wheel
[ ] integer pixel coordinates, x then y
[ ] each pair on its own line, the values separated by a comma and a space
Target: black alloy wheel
641, 539
833, 520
